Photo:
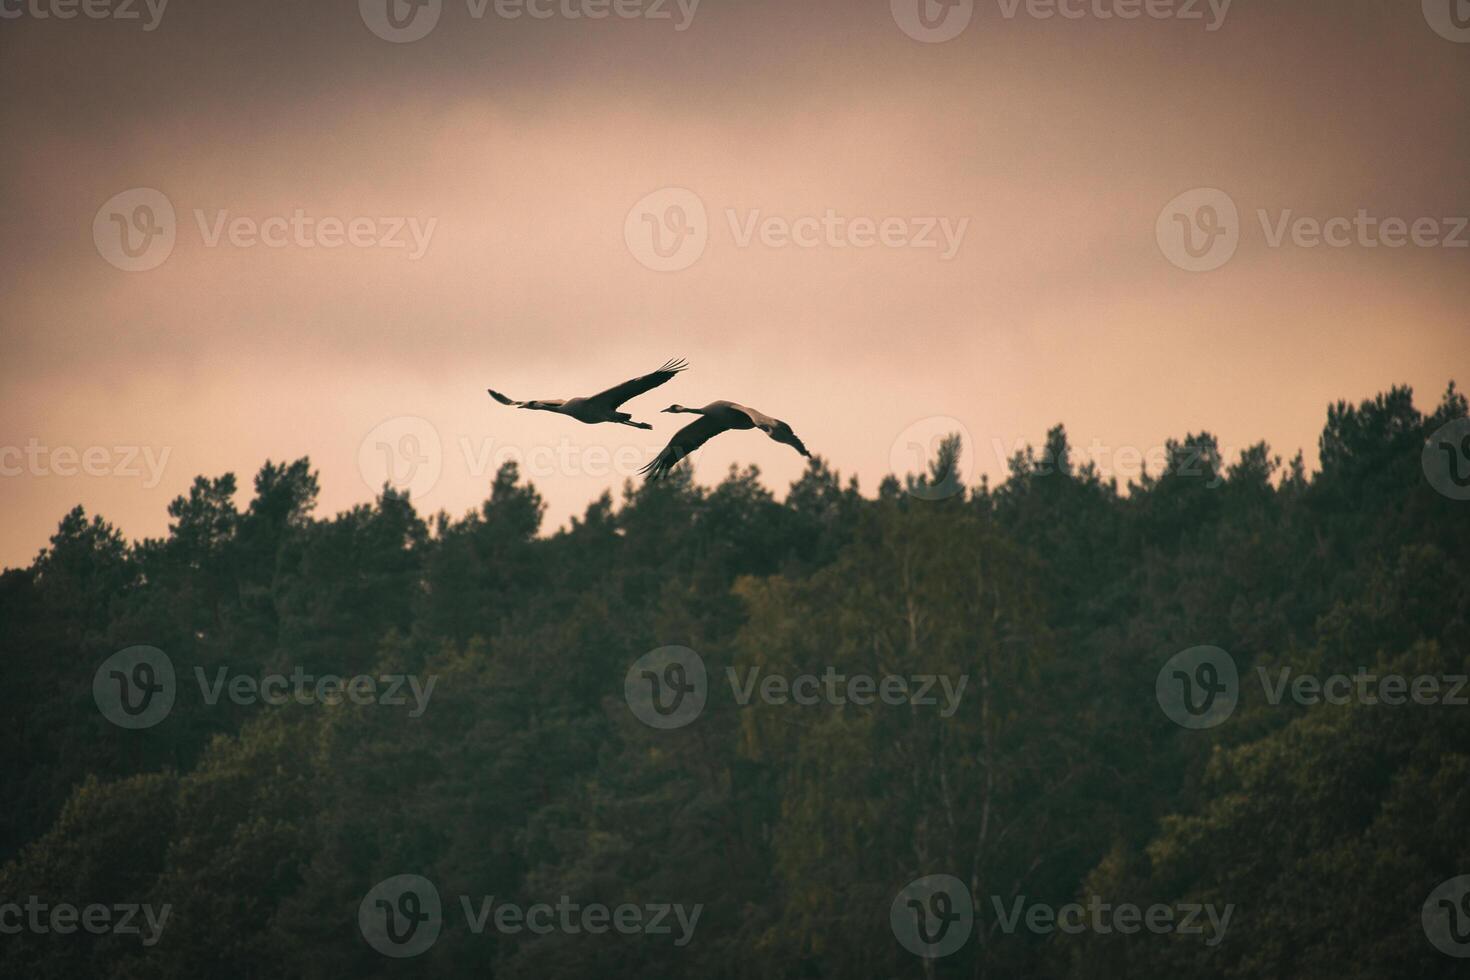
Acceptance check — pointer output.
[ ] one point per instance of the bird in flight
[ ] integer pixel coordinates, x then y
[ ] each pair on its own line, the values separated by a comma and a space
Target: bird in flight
714, 418
603, 406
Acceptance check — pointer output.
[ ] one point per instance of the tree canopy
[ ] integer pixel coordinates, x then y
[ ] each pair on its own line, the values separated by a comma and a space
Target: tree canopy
1057, 595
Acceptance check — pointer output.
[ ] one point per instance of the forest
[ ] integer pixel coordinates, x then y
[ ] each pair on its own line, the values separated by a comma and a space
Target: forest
1207, 724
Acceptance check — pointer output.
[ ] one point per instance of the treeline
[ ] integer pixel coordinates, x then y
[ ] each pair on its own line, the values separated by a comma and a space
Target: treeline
1057, 595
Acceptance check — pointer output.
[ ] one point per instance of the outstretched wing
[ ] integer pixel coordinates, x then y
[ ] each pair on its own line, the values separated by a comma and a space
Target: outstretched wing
502, 399
775, 428
781, 432
684, 442
617, 394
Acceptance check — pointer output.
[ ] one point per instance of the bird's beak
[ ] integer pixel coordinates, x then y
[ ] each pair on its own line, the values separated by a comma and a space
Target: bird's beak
665, 411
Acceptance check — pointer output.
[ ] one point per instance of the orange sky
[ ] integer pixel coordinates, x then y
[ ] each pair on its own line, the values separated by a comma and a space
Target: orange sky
517, 148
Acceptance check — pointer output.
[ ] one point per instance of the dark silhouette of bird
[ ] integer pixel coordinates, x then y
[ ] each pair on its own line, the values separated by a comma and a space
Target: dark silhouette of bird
603, 406
714, 418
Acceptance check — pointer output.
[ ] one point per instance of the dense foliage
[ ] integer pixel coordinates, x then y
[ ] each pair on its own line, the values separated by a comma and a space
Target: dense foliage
1057, 594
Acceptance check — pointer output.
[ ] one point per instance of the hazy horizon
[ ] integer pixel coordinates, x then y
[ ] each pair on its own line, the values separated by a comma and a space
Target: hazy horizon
512, 158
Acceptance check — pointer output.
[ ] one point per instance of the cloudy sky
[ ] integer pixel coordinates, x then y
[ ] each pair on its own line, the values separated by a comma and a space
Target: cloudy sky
250, 231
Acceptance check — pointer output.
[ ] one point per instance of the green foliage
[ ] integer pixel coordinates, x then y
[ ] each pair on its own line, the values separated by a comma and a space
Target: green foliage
1055, 595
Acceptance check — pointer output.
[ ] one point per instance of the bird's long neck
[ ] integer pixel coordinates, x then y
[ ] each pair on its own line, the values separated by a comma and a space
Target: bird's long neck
689, 411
